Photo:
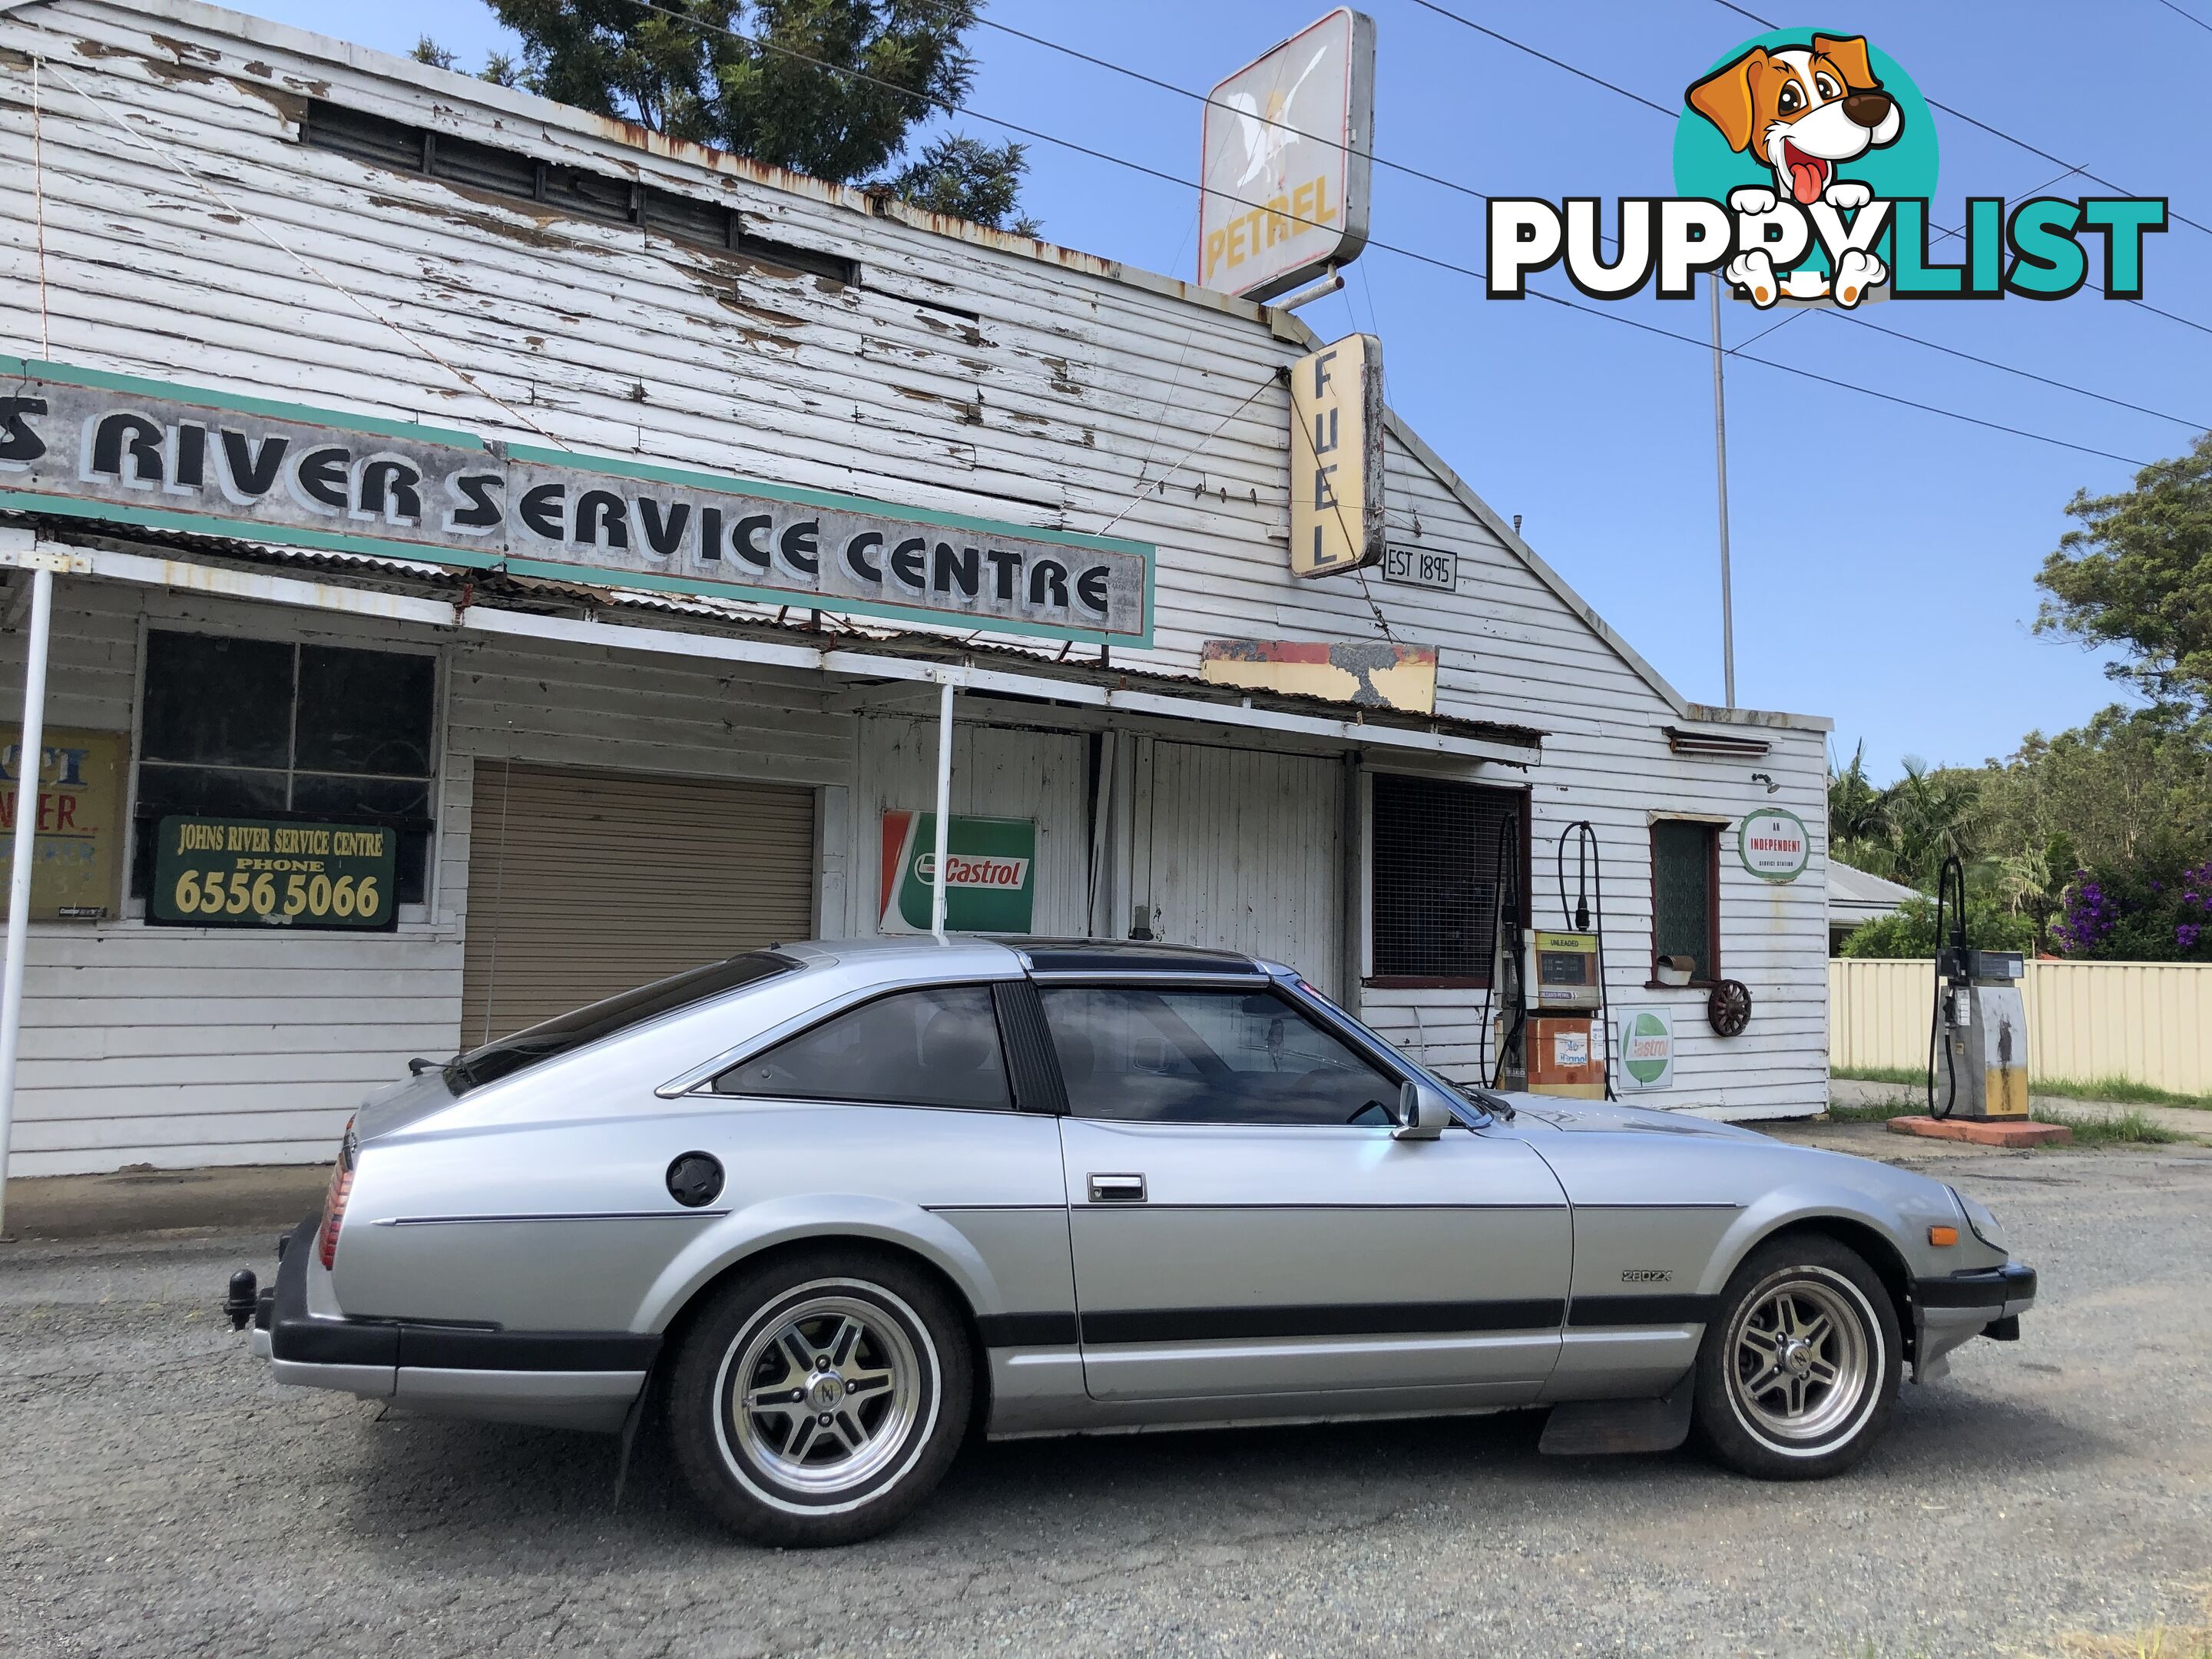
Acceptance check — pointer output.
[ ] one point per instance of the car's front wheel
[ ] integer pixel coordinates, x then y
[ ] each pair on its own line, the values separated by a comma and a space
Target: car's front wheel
1798, 1373
816, 1400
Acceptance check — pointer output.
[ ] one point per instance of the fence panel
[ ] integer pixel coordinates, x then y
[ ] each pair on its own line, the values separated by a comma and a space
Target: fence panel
2148, 1022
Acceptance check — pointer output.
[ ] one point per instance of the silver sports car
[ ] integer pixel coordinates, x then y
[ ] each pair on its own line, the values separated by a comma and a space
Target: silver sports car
830, 1208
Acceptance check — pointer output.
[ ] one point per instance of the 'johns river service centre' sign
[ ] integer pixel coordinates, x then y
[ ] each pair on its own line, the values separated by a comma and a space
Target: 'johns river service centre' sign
103, 446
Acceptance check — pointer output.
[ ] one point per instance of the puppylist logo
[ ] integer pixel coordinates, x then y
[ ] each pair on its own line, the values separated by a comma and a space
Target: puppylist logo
1804, 168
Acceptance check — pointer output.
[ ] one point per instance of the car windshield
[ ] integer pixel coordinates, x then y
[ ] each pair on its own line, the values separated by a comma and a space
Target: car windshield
584, 1025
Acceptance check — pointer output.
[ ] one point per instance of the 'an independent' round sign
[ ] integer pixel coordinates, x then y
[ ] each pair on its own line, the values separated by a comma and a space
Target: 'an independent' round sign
1773, 844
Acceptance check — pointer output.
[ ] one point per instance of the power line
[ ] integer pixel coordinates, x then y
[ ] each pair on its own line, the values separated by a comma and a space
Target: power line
1470, 271
1556, 62
1993, 132
2191, 16
1468, 190
1214, 103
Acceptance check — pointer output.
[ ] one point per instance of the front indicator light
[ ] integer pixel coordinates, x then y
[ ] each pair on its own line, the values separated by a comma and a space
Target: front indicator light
1943, 1235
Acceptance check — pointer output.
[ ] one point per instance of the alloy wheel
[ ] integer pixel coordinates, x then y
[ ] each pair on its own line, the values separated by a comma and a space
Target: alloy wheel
824, 1394
1798, 1360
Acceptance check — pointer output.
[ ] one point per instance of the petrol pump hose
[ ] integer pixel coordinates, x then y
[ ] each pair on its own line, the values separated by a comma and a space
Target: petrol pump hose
1504, 917
1589, 876
1951, 885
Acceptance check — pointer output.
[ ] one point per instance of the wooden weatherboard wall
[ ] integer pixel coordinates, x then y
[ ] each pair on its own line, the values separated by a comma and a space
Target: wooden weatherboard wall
181, 1046
949, 370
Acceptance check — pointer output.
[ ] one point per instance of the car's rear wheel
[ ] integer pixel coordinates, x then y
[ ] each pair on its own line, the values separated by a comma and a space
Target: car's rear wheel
1798, 1373
818, 1398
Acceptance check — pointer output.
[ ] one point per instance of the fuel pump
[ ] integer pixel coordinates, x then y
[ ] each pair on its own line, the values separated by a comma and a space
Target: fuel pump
1544, 986
1978, 1028
1565, 1053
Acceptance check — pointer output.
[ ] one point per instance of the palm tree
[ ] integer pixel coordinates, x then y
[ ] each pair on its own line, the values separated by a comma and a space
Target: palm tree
1858, 828
1930, 816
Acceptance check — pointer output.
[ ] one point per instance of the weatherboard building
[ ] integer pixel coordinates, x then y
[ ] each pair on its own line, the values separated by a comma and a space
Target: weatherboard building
499, 555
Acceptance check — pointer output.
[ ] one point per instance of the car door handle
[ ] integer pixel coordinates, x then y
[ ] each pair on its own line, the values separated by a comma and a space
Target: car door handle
1117, 1189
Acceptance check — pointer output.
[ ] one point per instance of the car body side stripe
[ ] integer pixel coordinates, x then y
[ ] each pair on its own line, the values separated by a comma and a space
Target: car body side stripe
1346, 1319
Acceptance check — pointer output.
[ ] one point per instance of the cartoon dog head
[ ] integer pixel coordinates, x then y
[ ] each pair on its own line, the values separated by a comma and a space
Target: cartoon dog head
1801, 110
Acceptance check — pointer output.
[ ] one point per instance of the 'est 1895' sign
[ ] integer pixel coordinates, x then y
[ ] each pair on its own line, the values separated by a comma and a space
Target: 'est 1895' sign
251, 872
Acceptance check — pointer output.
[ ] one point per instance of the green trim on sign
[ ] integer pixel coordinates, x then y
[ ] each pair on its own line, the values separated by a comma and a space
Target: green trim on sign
100, 378
1777, 877
201, 524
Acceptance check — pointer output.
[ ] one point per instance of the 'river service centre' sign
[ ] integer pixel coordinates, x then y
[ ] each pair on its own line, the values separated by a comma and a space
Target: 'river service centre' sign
103, 446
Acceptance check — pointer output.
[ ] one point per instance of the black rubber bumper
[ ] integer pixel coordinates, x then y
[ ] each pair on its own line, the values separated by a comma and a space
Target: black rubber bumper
1987, 1287
295, 1335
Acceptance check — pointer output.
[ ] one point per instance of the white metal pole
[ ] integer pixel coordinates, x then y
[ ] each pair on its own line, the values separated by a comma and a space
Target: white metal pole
29, 763
937, 889
1719, 475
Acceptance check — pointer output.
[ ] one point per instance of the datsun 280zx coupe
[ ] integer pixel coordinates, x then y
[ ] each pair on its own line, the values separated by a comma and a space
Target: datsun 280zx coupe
831, 1206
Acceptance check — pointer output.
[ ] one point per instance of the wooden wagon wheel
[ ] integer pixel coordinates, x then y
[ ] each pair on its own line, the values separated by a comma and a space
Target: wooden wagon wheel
1728, 1007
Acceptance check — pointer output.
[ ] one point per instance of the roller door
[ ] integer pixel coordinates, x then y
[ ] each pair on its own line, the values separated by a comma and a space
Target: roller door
585, 884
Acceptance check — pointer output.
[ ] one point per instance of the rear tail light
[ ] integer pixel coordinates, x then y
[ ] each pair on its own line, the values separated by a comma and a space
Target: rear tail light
334, 1202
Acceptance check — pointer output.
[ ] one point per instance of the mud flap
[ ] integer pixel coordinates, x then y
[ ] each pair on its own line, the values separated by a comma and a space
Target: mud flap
1600, 1428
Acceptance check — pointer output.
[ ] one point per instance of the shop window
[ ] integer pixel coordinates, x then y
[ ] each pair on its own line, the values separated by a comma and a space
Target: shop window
1686, 865
1434, 889
273, 729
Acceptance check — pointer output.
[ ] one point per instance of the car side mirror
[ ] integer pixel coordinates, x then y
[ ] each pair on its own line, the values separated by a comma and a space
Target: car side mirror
1422, 1114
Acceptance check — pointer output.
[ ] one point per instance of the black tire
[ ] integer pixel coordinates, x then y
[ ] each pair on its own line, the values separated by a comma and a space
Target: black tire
1762, 1406
785, 1473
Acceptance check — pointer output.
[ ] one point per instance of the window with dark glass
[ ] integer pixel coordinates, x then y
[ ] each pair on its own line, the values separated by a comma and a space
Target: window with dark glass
938, 1047
1437, 873
1209, 1056
276, 729
610, 1018
1685, 895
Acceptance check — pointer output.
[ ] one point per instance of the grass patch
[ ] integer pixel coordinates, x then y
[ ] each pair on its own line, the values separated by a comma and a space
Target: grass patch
2119, 1090
1879, 1111
2156, 1642
2128, 1128
1917, 1077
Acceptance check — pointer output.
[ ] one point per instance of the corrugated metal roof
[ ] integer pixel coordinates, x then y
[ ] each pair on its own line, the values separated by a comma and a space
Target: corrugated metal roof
741, 619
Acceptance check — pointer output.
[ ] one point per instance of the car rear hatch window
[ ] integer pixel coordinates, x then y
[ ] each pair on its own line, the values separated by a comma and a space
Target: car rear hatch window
569, 1031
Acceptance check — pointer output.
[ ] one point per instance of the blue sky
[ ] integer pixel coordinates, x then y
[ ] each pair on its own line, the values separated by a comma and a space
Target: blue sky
1884, 557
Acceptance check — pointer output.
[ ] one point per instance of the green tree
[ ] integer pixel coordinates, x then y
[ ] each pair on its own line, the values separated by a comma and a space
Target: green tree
1910, 930
2137, 574
833, 88
1858, 832
969, 180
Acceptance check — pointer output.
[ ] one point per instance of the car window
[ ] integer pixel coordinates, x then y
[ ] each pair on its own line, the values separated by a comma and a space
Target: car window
588, 1025
938, 1047
1207, 1056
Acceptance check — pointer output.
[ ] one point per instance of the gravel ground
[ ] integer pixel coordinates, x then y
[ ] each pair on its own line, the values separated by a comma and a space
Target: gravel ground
159, 1496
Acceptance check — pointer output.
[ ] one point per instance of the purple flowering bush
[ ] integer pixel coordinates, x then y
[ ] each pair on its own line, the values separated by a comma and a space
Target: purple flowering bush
2142, 915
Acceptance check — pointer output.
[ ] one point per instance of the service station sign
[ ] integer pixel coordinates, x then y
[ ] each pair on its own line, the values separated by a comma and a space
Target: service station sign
1284, 175
100, 447
1773, 844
